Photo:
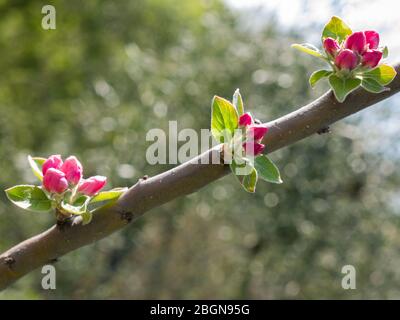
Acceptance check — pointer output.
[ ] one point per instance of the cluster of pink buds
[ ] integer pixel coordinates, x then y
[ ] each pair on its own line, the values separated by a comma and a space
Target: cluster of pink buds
359, 49
355, 59
59, 176
254, 134
63, 190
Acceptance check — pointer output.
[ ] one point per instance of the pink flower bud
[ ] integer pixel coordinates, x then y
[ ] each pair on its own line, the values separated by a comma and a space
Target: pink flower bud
54, 181
92, 185
331, 46
53, 161
346, 59
257, 132
245, 119
356, 42
372, 39
253, 148
72, 169
371, 58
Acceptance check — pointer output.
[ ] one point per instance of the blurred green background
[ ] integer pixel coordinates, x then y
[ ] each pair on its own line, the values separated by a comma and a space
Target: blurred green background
111, 71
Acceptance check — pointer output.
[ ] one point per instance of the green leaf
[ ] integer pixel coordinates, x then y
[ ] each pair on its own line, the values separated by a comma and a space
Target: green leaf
246, 167
29, 197
238, 102
372, 86
385, 52
78, 207
383, 74
248, 181
224, 118
86, 217
318, 75
109, 195
267, 170
36, 165
342, 87
308, 48
336, 29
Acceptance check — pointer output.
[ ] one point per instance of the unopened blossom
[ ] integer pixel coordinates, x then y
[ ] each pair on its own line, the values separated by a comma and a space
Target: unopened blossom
356, 42
245, 119
346, 59
254, 134
53, 161
54, 181
371, 58
92, 185
257, 132
372, 39
331, 46
72, 169
253, 148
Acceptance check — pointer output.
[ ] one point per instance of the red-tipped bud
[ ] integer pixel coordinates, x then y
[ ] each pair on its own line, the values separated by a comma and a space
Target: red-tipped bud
72, 169
372, 39
257, 132
356, 42
331, 46
346, 59
54, 181
53, 161
245, 119
92, 185
371, 58
253, 148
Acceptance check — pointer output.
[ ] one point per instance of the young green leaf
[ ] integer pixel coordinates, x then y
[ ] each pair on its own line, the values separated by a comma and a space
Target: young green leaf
336, 29
248, 181
385, 52
238, 102
224, 118
267, 170
36, 165
383, 74
78, 207
29, 197
109, 195
318, 75
342, 87
372, 85
308, 48
86, 217
243, 168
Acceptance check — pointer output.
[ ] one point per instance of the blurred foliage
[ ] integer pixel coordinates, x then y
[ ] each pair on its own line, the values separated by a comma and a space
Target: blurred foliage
111, 71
